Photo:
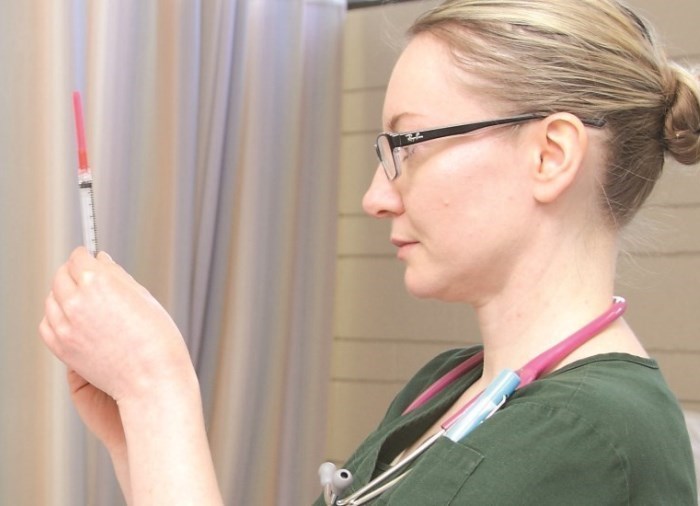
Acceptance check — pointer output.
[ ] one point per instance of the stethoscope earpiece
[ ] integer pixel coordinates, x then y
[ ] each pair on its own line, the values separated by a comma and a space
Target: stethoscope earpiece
334, 481
325, 473
342, 479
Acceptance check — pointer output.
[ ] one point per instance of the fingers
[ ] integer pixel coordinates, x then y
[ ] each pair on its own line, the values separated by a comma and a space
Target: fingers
54, 326
62, 302
81, 266
82, 269
103, 256
47, 334
75, 381
54, 315
64, 284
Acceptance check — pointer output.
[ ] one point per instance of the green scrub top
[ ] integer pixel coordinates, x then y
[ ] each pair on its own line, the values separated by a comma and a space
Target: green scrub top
605, 430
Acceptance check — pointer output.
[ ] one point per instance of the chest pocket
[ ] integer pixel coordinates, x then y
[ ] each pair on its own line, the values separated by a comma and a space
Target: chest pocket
435, 478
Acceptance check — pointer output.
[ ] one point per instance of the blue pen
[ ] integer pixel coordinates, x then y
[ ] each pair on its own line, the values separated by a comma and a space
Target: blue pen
488, 402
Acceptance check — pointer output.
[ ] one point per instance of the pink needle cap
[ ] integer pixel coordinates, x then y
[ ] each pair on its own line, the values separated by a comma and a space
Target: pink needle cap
80, 129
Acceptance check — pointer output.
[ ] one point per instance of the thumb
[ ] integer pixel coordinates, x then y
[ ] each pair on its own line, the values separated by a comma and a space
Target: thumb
104, 257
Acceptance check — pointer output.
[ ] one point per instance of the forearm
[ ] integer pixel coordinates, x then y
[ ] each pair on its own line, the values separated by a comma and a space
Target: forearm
120, 462
169, 461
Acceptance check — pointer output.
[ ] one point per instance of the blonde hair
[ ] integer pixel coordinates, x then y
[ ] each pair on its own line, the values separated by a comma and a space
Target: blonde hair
593, 58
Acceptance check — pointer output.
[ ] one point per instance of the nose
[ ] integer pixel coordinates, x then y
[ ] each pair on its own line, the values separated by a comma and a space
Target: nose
382, 199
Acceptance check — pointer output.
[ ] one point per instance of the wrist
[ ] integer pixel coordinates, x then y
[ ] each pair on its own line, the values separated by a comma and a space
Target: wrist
164, 393
155, 373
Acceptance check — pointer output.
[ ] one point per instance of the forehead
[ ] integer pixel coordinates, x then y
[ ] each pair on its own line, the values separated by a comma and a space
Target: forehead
428, 89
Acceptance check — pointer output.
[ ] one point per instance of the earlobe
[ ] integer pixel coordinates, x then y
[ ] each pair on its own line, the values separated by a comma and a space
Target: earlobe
562, 142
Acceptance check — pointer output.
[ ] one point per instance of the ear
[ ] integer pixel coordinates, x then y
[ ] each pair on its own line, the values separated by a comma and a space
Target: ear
561, 141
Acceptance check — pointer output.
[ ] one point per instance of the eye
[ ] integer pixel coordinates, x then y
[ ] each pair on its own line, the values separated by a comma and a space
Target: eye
407, 151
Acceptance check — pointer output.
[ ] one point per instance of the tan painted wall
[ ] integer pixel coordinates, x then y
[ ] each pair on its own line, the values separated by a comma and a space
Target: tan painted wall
382, 335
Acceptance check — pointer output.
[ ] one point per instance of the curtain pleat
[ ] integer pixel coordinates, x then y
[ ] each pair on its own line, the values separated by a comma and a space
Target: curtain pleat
213, 132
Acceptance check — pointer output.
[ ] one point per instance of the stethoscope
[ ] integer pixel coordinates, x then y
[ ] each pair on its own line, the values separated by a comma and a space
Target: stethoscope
334, 481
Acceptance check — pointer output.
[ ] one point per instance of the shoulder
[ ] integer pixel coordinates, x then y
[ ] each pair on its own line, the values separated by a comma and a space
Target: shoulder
607, 426
621, 395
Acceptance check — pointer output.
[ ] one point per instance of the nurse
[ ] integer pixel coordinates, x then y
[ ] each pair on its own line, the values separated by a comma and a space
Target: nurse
519, 219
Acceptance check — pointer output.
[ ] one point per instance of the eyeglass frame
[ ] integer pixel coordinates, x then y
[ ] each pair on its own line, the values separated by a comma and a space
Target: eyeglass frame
401, 140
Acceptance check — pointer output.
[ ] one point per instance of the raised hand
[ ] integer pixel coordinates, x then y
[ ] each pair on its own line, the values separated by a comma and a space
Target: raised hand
109, 330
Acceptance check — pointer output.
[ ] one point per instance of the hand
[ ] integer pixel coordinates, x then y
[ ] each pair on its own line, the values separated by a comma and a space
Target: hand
110, 331
129, 369
98, 411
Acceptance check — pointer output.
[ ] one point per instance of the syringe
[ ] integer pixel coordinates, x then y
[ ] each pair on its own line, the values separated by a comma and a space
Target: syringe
87, 199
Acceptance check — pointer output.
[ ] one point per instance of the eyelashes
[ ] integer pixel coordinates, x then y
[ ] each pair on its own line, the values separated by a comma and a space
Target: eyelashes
408, 151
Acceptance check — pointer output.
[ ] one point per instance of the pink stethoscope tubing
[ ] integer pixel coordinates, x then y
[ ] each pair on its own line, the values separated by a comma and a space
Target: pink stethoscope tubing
539, 365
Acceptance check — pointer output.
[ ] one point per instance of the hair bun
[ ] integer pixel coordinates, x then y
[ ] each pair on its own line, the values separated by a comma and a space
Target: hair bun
682, 125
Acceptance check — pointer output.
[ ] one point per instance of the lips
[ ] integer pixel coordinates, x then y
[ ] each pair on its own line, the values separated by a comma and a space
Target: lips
399, 243
404, 246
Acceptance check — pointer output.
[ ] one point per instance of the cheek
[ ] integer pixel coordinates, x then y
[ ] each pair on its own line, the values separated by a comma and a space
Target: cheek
470, 191
462, 192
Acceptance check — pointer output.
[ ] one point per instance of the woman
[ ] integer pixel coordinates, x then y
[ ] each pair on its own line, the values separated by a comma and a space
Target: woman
565, 110
521, 220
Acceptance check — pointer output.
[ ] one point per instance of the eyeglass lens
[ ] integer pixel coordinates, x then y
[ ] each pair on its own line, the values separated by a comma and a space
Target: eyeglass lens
386, 158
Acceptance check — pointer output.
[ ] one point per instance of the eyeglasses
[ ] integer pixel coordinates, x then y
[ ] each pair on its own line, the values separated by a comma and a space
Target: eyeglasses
389, 145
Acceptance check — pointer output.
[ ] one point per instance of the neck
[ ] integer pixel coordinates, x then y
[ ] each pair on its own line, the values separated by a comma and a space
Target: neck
564, 293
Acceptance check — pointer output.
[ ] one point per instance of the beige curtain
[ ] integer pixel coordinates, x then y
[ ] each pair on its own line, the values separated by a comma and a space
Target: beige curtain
212, 130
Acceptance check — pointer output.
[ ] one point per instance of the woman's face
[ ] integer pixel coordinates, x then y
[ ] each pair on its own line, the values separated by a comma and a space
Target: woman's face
461, 208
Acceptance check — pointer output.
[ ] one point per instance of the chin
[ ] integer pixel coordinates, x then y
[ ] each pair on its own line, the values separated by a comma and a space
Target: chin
434, 287
427, 288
